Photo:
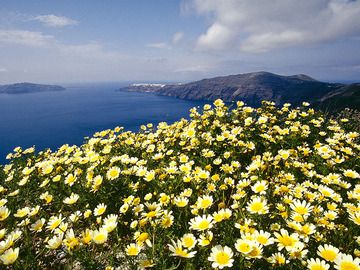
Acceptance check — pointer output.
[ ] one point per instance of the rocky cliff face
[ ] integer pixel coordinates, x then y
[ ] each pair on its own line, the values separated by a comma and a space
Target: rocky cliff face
249, 87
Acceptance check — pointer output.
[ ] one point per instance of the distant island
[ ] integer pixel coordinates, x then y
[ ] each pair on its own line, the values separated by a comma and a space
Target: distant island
257, 86
26, 88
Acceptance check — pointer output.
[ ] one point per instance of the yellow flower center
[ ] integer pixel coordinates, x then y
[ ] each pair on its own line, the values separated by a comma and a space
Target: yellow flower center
166, 222
254, 252
204, 224
259, 188
205, 203
262, 239
101, 211
55, 224
301, 210
188, 242
317, 267
348, 266
191, 132
203, 175
143, 237
298, 218
329, 255
3, 215
181, 203
72, 243
280, 260
287, 241
222, 258
151, 214
100, 238
132, 251
218, 217
71, 179
257, 206
10, 258
113, 173
244, 248
180, 252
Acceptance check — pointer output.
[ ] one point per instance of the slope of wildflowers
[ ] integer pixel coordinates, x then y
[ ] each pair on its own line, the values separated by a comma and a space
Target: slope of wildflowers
239, 188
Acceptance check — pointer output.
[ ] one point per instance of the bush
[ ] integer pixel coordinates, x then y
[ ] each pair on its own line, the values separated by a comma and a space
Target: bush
242, 188
350, 118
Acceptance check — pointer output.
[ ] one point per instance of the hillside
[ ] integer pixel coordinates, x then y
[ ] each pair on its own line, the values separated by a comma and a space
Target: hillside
25, 88
250, 87
346, 97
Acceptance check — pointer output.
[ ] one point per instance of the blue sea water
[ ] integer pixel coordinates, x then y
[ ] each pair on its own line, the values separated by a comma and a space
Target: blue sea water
51, 119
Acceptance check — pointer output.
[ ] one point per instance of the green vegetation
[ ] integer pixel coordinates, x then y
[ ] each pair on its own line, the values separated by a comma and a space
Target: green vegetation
242, 188
348, 98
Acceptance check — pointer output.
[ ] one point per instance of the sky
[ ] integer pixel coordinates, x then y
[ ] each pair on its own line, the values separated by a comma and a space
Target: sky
68, 41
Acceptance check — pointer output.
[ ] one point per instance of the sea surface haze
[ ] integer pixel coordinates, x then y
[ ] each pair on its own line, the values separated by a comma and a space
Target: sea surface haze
51, 119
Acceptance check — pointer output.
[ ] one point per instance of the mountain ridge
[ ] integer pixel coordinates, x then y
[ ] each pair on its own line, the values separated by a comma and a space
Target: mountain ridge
250, 87
26, 88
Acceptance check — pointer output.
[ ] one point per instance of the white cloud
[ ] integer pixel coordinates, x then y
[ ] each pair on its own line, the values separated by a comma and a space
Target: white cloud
262, 25
2, 69
177, 37
217, 37
195, 68
159, 45
267, 41
27, 38
55, 21
91, 50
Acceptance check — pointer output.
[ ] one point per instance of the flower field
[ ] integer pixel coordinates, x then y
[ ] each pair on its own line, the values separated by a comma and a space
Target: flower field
231, 188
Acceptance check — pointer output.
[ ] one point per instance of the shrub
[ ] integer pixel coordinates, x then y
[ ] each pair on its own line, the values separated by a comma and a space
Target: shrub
242, 188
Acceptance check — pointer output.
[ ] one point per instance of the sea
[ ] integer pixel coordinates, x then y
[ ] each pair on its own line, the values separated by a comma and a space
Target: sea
51, 119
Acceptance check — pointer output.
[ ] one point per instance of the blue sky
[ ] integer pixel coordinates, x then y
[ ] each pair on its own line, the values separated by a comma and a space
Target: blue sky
176, 40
